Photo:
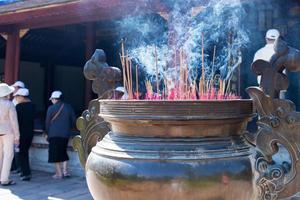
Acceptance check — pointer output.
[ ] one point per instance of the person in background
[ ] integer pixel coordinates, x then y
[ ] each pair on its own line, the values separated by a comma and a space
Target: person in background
26, 113
60, 120
15, 166
9, 133
17, 85
265, 53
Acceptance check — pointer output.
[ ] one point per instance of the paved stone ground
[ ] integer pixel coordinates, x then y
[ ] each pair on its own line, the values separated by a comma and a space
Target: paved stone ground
44, 187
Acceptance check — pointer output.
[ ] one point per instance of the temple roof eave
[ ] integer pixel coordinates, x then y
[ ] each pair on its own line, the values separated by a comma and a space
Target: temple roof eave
73, 11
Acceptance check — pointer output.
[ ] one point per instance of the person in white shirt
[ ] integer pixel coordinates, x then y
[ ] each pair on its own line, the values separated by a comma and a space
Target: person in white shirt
17, 85
265, 53
9, 133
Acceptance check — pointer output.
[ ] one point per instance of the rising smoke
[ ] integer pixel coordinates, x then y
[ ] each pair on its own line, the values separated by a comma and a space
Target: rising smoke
219, 22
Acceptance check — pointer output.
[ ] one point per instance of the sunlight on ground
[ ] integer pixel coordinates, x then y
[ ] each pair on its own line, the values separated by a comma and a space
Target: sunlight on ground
9, 194
54, 198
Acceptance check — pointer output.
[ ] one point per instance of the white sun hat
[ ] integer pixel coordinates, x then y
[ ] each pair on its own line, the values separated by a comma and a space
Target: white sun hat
272, 34
120, 89
55, 95
22, 92
19, 84
5, 89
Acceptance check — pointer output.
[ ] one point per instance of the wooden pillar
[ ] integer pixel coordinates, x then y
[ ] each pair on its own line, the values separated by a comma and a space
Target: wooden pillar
90, 48
12, 57
17, 59
48, 81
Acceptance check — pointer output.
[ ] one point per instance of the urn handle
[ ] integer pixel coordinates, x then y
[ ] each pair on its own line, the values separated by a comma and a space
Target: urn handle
92, 129
279, 127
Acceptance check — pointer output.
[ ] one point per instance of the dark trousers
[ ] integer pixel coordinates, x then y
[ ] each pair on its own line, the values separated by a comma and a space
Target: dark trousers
14, 164
23, 156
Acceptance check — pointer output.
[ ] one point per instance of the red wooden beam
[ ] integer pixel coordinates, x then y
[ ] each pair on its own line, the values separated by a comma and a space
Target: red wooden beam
76, 18
77, 12
83, 11
12, 57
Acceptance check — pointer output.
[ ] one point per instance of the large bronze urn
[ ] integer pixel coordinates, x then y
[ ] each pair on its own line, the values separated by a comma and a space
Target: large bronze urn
191, 150
172, 150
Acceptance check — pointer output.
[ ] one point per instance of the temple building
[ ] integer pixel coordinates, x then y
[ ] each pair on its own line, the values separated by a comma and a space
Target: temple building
45, 44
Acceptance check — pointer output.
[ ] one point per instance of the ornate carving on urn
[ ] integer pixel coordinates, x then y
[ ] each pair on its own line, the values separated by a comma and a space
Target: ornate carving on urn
103, 76
279, 125
92, 127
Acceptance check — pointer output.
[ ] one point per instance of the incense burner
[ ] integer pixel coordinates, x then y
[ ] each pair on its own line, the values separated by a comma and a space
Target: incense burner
172, 150
194, 149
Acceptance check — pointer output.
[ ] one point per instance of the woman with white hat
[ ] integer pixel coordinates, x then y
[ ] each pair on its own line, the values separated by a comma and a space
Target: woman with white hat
9, 133
26, 114
17, 85
60, 120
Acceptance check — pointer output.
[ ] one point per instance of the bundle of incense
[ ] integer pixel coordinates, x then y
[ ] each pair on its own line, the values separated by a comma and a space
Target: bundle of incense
127, 72
222, 87
149, 90
213, 93
194, 90
201, 86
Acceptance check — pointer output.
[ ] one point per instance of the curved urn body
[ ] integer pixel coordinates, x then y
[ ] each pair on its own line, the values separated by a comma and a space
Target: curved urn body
175, 150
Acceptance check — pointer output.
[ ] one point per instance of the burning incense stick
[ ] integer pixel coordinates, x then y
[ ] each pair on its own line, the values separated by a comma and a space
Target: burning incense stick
130, 78
149, 89
123, 65
213, 61
203, 69
187, 91
156, 68
181, 75
202, 80
137, 81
